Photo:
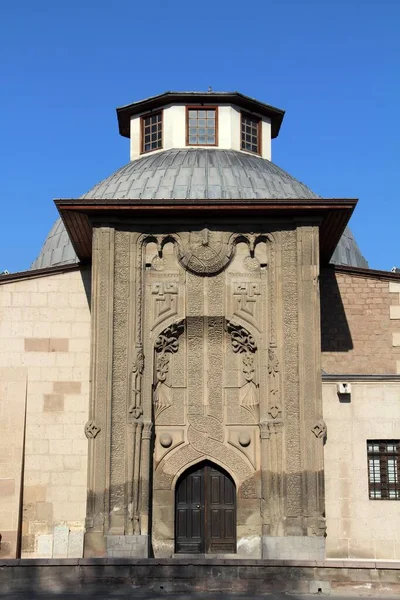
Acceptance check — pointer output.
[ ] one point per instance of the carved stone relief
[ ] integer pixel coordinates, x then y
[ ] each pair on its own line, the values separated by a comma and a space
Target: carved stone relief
274, 408
166, 344
205, 252
135, 407
247, 298
244, 439
92, 430
243, 343
167, 440
319, 429
165, 300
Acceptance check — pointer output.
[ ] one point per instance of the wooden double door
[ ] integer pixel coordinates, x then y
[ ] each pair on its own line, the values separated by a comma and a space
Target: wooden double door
205, 511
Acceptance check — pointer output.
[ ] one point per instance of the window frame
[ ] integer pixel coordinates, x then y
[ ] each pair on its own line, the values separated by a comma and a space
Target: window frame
200, 107
383, 486
146, 116
244, 114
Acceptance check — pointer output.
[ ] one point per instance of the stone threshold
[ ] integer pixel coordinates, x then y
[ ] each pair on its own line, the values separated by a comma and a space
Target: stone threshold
202, 560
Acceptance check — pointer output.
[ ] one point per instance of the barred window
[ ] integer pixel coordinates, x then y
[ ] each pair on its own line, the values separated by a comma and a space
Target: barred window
201, 126
152, 132
251, 134
384, 469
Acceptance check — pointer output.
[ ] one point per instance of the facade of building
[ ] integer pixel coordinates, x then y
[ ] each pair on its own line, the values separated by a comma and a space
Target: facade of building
200, 361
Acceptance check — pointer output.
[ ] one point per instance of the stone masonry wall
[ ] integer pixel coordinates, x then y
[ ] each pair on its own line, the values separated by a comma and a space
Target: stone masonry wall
358, 527
360, 323
44, 360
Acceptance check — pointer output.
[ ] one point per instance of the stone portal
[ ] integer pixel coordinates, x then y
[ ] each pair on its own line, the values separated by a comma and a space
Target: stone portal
206, 368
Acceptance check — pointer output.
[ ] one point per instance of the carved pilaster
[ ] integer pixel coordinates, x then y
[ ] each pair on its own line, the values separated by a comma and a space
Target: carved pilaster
310, 371
120, 382
293, 468
100, 393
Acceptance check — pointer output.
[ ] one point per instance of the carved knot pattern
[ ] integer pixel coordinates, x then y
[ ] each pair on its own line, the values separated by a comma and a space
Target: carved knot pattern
274, 409
319, 429
91, 430
244, 343
247, 296
165, 300
167, 343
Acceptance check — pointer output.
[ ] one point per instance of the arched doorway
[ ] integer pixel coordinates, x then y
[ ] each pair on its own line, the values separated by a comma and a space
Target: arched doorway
205, 511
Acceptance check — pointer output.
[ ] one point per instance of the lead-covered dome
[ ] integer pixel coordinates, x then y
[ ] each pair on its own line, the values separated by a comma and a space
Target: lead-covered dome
194, 173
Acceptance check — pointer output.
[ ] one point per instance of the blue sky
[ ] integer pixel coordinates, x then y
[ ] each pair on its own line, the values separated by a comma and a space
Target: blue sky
332, 65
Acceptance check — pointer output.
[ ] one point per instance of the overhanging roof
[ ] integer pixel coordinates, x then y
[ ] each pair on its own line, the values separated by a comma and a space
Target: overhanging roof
78, 215
124, 113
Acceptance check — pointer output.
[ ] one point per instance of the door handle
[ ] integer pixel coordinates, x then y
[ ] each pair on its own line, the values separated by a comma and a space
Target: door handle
198, 506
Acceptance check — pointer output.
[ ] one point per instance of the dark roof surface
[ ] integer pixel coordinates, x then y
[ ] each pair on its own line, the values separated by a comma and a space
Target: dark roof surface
194, 173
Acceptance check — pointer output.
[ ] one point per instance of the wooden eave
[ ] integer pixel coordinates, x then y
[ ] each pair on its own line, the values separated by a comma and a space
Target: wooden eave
78, 215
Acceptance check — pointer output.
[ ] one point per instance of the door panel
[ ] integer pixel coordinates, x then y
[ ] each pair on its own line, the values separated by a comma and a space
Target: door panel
189, 513
205, 513
220, 501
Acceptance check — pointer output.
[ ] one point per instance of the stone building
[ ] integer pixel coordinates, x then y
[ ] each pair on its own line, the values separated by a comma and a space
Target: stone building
199, 360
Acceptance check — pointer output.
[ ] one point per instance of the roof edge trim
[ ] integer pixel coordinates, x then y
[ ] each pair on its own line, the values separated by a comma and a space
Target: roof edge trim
32, 273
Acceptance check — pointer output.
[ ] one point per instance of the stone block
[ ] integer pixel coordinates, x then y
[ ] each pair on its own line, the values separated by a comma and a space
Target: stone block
67, 387
320, 587
129, 546
44, 546
36, 344
395, 312
44, 511
396, 339
53, 403
60, 541
394, 287
58, 344
293, 548
249, 547
7, 487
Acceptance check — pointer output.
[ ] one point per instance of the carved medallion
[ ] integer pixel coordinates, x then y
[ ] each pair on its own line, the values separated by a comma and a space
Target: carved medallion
91, 430
319, 429
206, 252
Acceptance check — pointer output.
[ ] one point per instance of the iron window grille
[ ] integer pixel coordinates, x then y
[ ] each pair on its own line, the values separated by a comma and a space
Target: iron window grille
384, 469
251, 134
151, 132
201, 126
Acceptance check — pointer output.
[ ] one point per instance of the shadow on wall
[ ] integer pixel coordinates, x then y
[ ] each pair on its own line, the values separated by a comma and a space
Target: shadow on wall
86, 274
335, 332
